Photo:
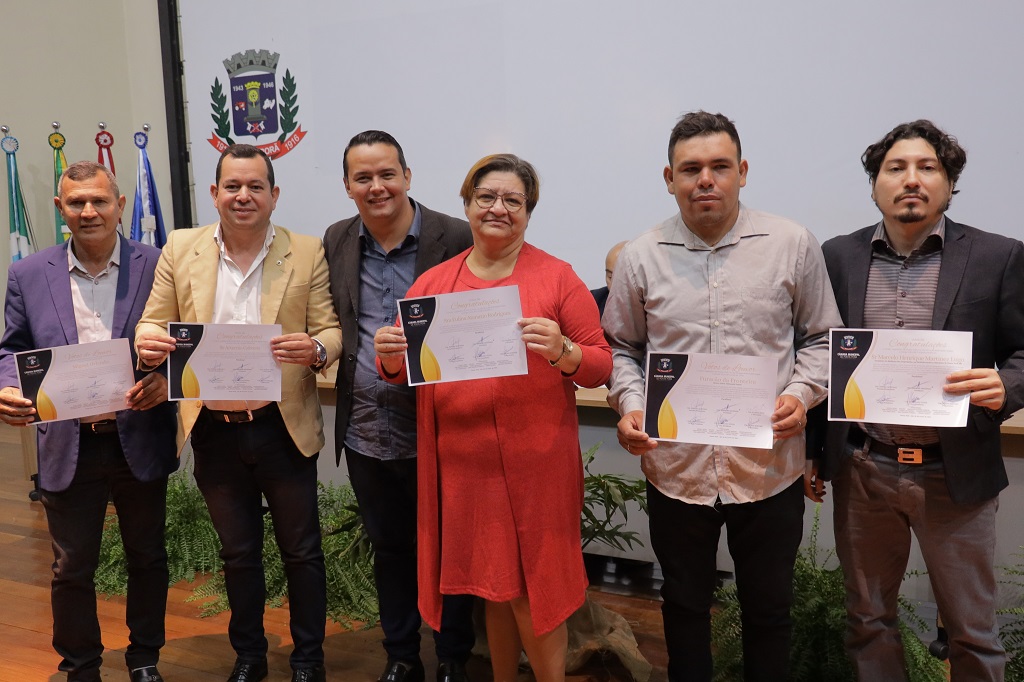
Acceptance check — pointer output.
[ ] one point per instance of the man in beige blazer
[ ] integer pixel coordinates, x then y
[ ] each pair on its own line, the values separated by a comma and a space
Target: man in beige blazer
246, 270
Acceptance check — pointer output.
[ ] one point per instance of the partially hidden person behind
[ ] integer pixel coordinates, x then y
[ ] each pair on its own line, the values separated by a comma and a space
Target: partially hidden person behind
93, 288
246, 270
374, 257
500, 472
601, 294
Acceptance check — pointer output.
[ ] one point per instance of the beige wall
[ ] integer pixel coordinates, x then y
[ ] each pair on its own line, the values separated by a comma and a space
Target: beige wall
80, 63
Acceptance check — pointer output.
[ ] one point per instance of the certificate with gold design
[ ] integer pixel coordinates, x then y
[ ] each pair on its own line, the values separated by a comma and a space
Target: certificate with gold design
710, 399
223, 362
465, 335
895, 376
83, 380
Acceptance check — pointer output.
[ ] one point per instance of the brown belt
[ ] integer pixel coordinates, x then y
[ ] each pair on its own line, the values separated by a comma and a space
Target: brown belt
904, 454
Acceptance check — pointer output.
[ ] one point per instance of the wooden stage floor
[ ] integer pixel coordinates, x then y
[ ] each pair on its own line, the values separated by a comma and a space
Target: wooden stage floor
197, 648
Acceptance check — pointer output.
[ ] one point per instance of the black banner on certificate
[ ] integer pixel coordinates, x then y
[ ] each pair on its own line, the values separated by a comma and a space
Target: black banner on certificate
32, 369
416, 315
663, 372
181, 379
849, 347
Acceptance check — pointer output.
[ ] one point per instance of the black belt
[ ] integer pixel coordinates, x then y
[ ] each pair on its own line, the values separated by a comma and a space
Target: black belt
904, 454
240, 416
101, 427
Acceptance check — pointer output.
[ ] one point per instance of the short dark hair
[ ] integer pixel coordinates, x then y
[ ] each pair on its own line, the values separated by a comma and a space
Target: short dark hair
373, 137
83, 170
503, 163
245, 151
699, 124
951, 155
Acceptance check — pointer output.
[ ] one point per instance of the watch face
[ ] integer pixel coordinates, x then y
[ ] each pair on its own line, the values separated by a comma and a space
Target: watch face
9, 144
56, 140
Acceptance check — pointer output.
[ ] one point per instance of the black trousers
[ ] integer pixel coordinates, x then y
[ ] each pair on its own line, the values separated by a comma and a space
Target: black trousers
75, 518
386, 491
236, 466
764, 537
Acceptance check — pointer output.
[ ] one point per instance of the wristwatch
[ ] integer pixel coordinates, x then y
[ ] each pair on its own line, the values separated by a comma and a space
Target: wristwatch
321, 356
566, 349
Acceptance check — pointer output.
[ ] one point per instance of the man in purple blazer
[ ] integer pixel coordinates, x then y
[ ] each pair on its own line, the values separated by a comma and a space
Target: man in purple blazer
94, 288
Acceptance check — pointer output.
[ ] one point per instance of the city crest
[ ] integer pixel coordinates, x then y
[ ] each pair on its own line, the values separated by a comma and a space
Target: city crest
254, 107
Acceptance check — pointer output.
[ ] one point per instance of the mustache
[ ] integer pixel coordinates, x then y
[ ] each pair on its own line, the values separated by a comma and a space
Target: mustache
917, 195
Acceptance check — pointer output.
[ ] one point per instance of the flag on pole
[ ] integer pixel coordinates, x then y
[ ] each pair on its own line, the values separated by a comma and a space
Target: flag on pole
105, 157
21, 229
147, 221
60, 164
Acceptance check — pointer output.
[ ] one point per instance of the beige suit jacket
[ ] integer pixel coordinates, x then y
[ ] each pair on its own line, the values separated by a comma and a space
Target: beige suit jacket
296, 294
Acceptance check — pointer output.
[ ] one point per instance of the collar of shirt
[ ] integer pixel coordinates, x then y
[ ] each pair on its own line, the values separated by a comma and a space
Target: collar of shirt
369, 241
219, 238
933, 242
681, 234
75, 264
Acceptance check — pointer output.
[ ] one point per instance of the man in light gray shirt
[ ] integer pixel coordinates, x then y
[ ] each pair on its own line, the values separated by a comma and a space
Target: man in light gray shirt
720, 278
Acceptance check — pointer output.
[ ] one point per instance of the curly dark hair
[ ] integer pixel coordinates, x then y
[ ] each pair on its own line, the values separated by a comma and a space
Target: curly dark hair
951, 155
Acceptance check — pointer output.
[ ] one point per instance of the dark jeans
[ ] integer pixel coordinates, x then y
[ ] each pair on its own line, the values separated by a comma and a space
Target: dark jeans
763, 537
386, 491
75, 518
236, 466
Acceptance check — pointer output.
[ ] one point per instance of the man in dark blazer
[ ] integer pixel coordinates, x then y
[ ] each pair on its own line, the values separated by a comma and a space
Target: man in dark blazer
374, 257
917, 269
94, 287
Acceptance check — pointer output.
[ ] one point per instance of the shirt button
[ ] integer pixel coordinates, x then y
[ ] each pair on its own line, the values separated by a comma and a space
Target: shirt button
387, 290
97, 314
714, 284
903, 294
716, 323
899, 323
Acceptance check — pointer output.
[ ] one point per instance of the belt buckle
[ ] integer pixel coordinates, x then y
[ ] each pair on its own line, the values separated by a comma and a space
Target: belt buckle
909, 455
235, 417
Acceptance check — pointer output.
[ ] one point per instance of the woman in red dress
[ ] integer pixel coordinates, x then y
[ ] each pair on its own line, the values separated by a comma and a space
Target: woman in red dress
500, 474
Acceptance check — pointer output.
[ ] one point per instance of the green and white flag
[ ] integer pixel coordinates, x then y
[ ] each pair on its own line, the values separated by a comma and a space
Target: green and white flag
60, 164
21, 229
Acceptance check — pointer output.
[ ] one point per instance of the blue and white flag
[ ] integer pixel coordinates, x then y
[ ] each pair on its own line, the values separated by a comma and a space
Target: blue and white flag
147, 221
21, 229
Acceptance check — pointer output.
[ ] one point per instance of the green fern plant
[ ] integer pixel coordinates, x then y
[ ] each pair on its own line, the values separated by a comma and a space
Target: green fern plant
193, 550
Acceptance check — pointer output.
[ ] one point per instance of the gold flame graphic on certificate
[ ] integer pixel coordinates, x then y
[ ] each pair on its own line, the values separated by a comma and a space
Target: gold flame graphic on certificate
853, 401
45, 409
189, 382
667, 425
429, 365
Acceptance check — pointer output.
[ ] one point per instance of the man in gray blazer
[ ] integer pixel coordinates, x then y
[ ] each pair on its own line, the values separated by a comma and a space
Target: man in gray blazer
917, 269
374, 257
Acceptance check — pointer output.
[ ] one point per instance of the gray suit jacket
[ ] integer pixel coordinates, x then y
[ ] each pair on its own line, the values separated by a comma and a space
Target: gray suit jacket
441, 237
980, 290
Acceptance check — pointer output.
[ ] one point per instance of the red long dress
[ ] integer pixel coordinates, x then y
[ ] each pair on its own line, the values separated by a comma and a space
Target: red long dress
500, 475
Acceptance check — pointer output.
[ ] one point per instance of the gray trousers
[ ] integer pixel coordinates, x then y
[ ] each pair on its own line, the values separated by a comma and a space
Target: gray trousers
878, 502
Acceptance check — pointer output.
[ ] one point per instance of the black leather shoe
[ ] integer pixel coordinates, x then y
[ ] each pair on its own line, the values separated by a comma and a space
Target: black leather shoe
147, 674
318, 674
451, 671
403, 671
248, 671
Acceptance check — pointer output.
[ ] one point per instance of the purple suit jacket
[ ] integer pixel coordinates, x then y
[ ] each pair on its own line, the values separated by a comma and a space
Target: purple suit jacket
39, 313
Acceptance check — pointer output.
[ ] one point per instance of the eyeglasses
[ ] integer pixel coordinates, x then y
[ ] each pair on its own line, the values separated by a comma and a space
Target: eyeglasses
486, 198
